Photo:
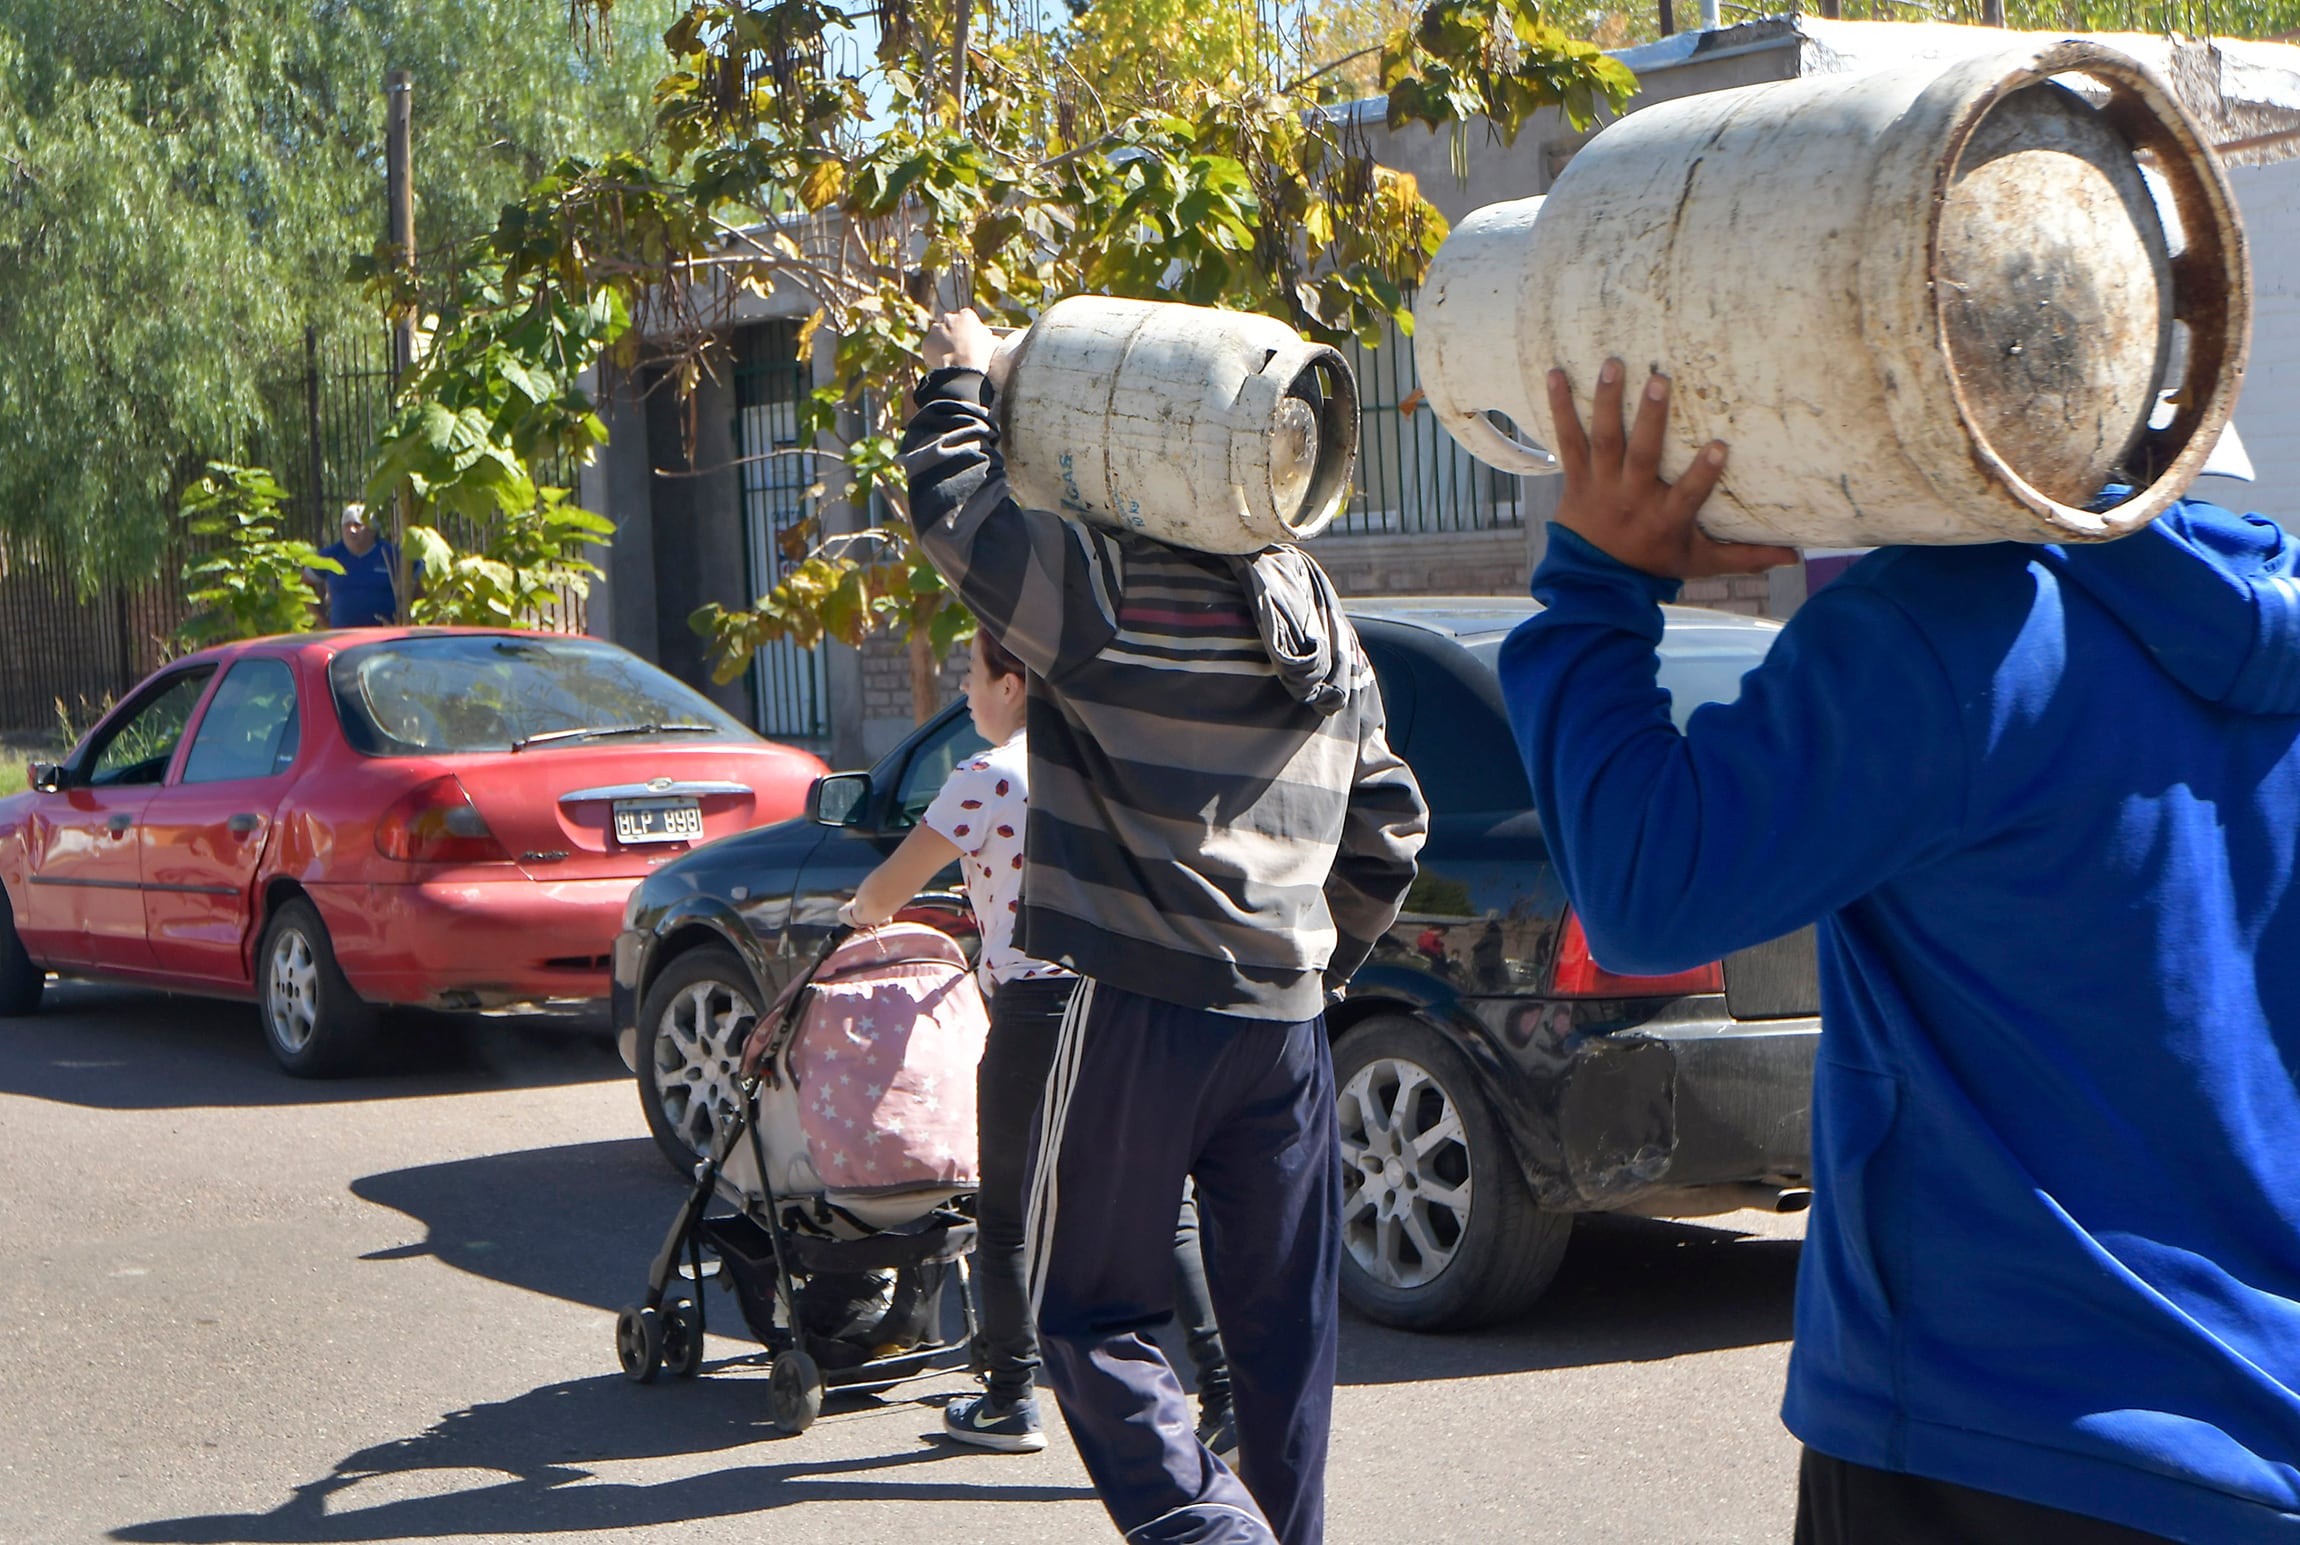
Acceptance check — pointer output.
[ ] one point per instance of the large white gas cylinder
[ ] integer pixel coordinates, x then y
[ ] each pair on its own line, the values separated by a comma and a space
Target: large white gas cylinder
1929, 305
1221, 431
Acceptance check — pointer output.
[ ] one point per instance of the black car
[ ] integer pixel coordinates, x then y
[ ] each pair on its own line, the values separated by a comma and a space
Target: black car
1493, 1079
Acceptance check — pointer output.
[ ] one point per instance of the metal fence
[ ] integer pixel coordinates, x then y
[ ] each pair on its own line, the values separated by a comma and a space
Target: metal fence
1412, 477
789, 692
324, 424
64, 654
68, 650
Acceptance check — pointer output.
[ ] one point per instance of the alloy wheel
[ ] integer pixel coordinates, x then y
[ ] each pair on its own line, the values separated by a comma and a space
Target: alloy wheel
291, 990
698, 1052
1407, 1195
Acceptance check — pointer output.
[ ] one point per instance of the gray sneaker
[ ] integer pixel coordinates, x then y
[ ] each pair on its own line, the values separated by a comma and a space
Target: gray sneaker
983, 1422
1218, 1430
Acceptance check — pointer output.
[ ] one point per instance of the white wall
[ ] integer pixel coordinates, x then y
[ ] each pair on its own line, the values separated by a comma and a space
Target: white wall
2268, 411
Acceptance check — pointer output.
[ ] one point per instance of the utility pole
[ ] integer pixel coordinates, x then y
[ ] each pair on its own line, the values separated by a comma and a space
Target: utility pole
398, 156
1992, 13
399, 182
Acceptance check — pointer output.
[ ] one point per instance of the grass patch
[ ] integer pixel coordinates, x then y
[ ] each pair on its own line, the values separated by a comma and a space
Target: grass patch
15, 751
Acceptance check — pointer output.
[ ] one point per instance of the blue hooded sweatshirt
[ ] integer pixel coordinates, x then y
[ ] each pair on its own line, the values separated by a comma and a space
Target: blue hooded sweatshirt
2044, 805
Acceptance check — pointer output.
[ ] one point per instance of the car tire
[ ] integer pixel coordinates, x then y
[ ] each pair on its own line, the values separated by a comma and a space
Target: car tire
691, 1028
314, 1024
22, 980
1439, 1230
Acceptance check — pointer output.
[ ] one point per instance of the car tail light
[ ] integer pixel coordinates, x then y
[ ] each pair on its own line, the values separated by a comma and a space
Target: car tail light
436, 823
1579, 976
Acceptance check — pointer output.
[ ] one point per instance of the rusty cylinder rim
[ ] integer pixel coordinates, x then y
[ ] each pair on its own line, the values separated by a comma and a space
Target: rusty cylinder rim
1336, 475
2212, 263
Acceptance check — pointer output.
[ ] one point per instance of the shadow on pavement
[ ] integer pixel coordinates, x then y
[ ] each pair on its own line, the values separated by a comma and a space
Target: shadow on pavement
123, 1048
1631, 1290
578, 1222
520, 1467
581, 1222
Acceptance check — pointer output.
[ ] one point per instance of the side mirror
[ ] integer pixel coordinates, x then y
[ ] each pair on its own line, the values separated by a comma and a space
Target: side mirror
47, 777
840, 799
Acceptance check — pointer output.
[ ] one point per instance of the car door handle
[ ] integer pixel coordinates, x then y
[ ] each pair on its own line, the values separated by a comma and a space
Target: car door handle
120, 822
243, 823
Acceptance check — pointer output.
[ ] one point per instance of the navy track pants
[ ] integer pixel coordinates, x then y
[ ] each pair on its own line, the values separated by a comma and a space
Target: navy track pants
1142, 1094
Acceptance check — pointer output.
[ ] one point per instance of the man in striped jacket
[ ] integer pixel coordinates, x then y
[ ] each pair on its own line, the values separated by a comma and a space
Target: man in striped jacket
1218, 834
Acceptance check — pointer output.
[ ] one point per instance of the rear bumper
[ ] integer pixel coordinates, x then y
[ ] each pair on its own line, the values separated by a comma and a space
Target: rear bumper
1617, 1118
474, 943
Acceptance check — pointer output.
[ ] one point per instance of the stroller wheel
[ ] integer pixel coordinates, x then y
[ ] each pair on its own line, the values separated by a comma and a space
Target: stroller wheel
794, 1391
682, 1328
639, 1344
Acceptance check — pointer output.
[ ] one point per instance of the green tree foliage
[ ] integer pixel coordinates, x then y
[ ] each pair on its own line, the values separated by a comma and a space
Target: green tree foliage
528, 563
970, 152
180, 183
251, 584
495, 410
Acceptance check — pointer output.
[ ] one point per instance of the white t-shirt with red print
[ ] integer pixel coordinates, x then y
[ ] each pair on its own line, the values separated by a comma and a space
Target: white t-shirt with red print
981, 809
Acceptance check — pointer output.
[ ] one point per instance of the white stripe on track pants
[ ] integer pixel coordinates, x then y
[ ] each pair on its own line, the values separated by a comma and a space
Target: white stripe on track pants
1142, 1094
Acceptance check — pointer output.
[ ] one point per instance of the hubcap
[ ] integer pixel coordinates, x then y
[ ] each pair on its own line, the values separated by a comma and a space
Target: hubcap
698, 1051
291, 990
1406, 1198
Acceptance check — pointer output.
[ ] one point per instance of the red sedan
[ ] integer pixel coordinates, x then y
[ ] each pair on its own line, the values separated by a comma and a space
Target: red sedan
450, 818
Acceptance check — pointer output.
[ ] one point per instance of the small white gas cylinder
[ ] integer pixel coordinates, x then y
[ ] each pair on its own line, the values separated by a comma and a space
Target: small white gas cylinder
1221, 431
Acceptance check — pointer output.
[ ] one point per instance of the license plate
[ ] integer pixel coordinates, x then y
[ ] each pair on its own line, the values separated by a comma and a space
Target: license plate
658, 820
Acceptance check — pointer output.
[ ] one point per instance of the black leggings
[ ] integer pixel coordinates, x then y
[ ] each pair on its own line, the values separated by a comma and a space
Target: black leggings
1840, 1503
1025, 1019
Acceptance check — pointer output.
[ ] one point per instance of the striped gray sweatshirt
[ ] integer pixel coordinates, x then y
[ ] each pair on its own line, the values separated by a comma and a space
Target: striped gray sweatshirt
1216, 818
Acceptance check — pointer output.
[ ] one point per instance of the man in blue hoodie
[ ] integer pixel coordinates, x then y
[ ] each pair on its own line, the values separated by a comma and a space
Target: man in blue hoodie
2044, 804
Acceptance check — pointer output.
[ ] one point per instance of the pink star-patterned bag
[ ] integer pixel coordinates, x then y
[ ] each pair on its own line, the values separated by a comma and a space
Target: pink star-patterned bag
883, 1063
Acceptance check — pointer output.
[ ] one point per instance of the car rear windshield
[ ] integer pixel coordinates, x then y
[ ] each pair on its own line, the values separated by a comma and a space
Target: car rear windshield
478, 692
1698, 664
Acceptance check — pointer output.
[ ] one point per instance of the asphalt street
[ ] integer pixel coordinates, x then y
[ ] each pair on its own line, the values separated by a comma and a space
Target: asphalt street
238, 1307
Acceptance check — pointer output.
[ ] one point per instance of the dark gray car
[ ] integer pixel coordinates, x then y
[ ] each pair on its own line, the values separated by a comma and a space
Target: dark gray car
1493, 1079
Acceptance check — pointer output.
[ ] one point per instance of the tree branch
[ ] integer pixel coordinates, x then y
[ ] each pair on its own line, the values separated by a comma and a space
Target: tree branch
745, 461
1327, 69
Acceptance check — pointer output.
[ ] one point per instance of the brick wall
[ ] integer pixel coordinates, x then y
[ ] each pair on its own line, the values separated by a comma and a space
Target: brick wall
1750, 594
1428, 563
886, 691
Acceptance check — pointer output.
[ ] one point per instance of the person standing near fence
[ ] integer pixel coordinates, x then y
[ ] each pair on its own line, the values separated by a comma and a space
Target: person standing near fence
1218, 834
365, 594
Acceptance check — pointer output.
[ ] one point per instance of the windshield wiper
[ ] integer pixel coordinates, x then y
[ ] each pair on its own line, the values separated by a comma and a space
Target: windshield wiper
601, 731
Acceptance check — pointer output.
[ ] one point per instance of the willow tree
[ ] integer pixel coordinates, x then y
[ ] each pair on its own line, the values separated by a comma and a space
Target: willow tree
180, 183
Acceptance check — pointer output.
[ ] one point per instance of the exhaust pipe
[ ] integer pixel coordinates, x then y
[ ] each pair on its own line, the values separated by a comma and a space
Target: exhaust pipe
1709, 1201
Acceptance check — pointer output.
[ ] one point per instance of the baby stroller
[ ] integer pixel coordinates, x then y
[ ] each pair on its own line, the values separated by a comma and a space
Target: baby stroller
848, 1168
